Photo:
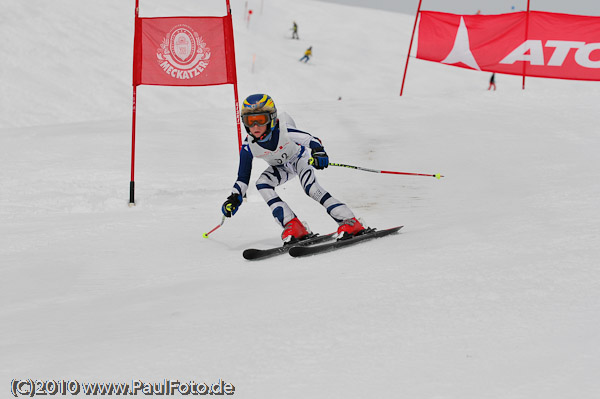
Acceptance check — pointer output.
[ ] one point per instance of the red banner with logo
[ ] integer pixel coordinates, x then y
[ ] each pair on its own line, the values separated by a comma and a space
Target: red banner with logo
183, 51
540, 44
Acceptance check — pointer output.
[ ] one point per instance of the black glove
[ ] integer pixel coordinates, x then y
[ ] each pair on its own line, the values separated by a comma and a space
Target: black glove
320, 159
232, 204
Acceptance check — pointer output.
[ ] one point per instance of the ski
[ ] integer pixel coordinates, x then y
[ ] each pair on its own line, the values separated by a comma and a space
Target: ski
298, 251
255, 254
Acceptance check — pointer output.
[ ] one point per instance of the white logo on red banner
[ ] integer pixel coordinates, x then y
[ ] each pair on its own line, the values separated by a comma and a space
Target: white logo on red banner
537, 43
533, 52
183, 54
461, 51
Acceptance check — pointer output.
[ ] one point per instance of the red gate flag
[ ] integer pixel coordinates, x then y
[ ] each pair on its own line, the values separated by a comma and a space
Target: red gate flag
183, 51
543, 44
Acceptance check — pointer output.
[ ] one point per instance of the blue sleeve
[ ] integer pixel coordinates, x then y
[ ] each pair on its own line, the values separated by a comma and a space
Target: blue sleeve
244, 170
315, 143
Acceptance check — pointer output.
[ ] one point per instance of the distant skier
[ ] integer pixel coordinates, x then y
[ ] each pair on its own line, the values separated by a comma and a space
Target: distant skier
295, 31
492, 82
286, 150
307, 55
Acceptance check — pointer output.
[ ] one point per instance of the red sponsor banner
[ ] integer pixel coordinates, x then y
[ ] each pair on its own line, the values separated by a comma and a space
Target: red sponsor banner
540, 44
183, 51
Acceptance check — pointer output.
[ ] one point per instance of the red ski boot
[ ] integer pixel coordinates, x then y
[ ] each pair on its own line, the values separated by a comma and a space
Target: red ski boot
349, 228
293, 231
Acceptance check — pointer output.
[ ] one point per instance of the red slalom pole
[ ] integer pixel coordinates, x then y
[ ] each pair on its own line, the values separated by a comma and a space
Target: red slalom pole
134, 105
526, 36
437, 175
410, 47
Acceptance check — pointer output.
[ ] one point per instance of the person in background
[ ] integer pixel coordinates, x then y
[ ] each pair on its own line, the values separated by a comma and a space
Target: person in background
307, 55
492, 82
295, 31
290, 152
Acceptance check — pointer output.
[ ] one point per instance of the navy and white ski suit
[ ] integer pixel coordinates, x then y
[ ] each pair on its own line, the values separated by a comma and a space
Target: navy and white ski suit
287, 150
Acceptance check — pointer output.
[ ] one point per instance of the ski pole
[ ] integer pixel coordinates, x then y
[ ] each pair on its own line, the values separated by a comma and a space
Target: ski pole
205, 235
437, 175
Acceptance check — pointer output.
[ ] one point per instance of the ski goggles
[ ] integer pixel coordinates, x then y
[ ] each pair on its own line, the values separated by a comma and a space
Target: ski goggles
256, 119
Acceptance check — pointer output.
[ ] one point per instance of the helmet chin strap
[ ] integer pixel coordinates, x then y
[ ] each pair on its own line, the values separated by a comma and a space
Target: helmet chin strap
262, 136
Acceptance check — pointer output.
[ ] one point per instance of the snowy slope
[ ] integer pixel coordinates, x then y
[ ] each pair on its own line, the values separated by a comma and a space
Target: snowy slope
491, 290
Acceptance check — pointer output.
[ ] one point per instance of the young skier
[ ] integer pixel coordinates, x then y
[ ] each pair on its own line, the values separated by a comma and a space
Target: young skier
306, 55
492, 82
286, 150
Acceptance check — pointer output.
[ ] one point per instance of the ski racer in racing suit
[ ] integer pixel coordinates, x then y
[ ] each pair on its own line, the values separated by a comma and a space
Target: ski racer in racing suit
289, 152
